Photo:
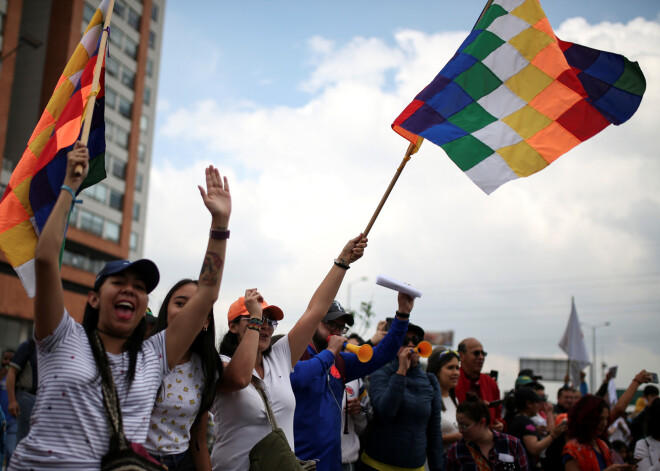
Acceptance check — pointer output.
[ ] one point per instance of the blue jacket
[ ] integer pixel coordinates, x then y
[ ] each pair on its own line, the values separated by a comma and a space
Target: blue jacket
405, 430
318, 388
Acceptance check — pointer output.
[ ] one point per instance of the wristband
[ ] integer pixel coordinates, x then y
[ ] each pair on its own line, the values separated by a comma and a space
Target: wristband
218, 234
254, 323
72, 193
403, 315
340, 263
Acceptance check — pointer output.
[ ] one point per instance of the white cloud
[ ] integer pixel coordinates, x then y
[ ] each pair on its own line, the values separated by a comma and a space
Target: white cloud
501, 268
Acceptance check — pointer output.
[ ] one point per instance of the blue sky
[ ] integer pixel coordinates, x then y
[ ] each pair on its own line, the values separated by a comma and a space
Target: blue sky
293, 101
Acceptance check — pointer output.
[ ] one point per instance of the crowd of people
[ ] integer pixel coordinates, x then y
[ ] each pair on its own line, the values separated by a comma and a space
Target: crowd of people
294, 401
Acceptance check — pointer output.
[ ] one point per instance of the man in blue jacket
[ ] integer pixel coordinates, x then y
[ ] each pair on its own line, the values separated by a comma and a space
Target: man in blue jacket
319, 378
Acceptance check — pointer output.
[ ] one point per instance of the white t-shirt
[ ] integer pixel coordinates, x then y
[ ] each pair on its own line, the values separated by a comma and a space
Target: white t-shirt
69, 428
176, 408
448, 417
240, 416
649, 454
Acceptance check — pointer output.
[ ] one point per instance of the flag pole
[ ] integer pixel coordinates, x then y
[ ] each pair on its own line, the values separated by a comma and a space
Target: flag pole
412, 148
91, 100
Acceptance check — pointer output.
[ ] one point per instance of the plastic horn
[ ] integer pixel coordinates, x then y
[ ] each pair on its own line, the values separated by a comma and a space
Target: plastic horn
424, 349
364, 352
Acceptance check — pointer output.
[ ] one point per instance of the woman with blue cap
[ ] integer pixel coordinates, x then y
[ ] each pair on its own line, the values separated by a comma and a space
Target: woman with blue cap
70, 428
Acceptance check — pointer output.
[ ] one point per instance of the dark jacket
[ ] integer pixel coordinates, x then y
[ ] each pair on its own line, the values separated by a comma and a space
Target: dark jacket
406, 426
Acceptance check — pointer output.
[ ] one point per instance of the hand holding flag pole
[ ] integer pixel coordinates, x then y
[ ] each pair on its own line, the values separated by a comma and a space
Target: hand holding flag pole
91, 102
412, 148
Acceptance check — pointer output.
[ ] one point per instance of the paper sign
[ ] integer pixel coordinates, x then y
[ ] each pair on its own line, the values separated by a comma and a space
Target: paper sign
396, 285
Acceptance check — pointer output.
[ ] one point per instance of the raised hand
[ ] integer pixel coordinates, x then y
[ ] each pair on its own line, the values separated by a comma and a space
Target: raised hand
406, 302
353, 250
217, 197
78, 156
253, 302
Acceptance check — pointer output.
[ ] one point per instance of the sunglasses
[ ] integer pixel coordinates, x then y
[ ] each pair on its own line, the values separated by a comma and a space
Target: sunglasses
336, 328
478, 353
264, 320
414, 339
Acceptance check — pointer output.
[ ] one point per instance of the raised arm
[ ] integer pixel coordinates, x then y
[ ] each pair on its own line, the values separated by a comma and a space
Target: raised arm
238, 372
49, 297
620, 406
302, 332
182, 330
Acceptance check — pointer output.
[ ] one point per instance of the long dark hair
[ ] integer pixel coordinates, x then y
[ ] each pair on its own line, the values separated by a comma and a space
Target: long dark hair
133, 344
439, 358
584, 417
474, 408
203, 346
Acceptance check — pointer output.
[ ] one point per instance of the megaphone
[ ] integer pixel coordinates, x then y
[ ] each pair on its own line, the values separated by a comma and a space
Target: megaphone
363, 352
424, 349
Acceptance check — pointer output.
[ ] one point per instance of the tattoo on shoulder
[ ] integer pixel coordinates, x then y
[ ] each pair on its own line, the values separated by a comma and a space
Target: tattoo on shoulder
210, 269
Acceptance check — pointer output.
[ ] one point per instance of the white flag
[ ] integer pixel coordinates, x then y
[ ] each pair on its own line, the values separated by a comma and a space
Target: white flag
573, 344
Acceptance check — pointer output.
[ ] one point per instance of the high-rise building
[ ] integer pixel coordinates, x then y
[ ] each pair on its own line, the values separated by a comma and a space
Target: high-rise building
37, 37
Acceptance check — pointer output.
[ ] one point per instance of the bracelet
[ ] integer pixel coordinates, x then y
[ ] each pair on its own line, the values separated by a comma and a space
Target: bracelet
403, 315
254, 323
72, 193
340, 263
219, 234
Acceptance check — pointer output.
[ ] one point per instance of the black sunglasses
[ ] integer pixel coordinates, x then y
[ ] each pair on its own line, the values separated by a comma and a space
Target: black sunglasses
415, 339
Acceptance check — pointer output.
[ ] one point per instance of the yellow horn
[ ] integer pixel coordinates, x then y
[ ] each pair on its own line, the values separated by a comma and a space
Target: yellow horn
364, 352
424, 349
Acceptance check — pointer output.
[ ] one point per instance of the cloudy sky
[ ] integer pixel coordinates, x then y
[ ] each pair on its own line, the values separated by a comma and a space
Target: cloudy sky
293, 101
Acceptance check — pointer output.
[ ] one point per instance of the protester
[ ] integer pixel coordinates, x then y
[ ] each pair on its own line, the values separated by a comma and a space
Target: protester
585, 451
317, 421
9, 429
565, 400
22, 385
472, 380
405, 431
238, 409
521, 426
446, 366
482, 447
619, 431
177, 429
647, 450
640, 424
70, 429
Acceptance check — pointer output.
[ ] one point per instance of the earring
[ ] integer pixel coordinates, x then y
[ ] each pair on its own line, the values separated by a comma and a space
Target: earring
204, 328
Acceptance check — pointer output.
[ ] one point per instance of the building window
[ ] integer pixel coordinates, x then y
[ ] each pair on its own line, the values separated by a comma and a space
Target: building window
116, 199
121, 137
91, 222
154, 12
109, 131
88, 13
120, 8
146, 96
99, 192
136, 211
133, 241
110, 98
150, 68
125, 107
139, 180
112, 67
119, 169
130, 48
115, 37
133, 19
144, 124
128, 77
142, 152
152, 40
112, 230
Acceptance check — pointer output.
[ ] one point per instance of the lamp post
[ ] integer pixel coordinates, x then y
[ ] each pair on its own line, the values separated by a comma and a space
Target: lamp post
592, 369
348, 291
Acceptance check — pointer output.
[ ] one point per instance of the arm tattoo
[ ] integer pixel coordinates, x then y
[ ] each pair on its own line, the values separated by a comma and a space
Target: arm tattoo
211, 269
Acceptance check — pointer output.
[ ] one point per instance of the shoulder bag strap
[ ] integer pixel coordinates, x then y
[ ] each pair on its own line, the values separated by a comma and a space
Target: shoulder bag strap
269, 412
110, 398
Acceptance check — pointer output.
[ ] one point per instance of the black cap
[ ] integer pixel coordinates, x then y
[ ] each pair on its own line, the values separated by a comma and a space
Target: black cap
415, 329
146, 268
336, 311
530, 373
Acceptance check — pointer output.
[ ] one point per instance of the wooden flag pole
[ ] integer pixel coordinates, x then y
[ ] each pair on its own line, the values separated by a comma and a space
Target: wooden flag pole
412, 148
91, 100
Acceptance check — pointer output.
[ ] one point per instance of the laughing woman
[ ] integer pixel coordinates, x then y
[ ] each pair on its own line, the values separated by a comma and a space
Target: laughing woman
70, 429
251, 363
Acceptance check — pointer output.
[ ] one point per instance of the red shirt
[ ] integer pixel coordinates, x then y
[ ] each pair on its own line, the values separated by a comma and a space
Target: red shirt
485, 388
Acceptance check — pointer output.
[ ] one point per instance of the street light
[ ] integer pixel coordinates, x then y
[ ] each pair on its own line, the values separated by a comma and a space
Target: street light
348, 291
592, 369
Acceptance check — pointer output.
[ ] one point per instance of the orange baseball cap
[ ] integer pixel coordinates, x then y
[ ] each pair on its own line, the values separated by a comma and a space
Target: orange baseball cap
238, 308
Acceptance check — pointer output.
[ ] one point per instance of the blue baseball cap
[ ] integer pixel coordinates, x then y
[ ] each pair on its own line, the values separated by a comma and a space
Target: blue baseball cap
146, 268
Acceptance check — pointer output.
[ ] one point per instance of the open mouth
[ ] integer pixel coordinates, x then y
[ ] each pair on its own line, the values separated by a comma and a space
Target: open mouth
124, 310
